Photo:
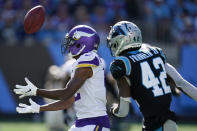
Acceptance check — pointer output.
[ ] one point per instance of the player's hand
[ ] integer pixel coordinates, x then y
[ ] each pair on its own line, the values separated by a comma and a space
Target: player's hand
32, 108
114, 107
28, 90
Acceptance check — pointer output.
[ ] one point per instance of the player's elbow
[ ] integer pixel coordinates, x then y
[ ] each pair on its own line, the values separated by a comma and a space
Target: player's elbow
68, 103
180, 82
64, 95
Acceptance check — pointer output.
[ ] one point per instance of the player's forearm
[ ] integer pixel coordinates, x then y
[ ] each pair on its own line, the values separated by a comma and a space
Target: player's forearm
57, 105
81, 75
54, 94
184, 85
124, 93
62, 94
188, 89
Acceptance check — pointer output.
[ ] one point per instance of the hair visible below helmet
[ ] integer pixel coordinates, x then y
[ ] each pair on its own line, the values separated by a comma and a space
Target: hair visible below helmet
81, 39
122, 36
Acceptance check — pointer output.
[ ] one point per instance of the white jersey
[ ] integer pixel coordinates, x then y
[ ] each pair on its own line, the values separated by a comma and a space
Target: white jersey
90, 99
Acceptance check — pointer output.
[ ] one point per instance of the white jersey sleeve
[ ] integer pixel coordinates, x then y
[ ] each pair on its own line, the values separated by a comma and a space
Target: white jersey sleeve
180, 82
88, 60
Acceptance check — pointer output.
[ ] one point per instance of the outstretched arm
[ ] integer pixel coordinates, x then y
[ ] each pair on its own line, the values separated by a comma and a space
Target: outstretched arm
81, 75
58, 105
54, 106
181, 83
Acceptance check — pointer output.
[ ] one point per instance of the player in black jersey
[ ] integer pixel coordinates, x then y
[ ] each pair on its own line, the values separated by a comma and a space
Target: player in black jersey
141, 72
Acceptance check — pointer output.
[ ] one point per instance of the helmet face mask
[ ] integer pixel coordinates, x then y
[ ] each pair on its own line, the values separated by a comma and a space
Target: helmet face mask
81, 39
123, 35
67, 42
114, 44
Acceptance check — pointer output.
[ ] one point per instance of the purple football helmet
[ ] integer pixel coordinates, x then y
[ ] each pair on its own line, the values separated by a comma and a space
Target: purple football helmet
81, 39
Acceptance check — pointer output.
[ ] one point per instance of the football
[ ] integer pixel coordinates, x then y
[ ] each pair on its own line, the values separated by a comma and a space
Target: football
34, 19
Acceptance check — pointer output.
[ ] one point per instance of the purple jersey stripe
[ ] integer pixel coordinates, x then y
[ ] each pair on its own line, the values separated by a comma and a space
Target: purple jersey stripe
77, 97
95, 61
101, 121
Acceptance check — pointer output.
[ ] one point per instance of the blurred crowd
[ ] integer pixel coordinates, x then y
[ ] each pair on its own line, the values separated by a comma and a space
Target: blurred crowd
173, 20
61, 16
168, 21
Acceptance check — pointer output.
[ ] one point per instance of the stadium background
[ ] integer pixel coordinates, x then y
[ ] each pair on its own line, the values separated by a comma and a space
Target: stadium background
169, 24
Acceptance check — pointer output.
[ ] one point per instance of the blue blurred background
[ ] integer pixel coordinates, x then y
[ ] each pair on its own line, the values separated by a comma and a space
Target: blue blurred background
169, 24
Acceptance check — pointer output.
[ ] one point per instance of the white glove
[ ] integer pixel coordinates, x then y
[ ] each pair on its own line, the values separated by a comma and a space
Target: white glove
33, 108
28, 90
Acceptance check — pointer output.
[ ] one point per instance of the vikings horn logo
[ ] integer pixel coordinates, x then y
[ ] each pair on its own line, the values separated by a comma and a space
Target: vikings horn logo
78, 34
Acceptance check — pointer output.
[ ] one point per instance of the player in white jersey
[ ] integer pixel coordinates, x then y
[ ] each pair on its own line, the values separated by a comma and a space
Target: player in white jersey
92, 91
86, 86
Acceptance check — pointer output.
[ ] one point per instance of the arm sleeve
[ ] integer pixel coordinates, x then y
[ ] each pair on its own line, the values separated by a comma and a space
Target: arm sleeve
184, 85
123, 107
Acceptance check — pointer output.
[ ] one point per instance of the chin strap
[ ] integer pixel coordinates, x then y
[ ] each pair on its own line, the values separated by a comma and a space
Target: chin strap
79, 52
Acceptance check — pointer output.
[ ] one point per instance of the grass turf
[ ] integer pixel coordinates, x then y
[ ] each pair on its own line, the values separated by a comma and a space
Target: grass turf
27, 126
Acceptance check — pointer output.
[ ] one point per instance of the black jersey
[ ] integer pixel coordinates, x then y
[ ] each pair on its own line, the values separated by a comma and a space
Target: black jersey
146, 72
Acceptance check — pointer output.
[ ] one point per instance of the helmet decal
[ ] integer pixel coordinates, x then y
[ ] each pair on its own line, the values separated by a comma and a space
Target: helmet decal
118, 31
78, 34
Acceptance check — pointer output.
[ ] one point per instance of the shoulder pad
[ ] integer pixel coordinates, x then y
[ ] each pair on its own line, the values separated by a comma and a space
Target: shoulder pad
126, 62
117, 69
120, 67
162, 54
88, 60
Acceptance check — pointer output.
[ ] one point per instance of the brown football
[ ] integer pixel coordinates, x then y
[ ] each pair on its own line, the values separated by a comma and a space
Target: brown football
34, 19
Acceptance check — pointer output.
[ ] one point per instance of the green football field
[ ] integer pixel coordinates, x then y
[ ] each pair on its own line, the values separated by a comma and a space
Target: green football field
13, 126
